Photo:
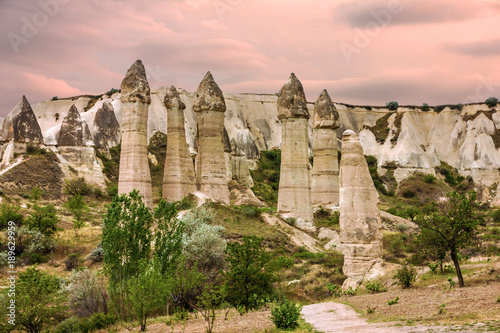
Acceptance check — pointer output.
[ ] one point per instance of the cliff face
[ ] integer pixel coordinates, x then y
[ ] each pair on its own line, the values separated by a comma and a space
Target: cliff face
412, 139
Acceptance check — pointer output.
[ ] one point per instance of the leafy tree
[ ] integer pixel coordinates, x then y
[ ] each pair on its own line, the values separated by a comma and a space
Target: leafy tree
39, 300
450, 227
10, 212
87, 293
36, 193
78, 207
43, 219
211, 299
146, 293
491, 102
126, 241
425, 107
250, 273
393, 105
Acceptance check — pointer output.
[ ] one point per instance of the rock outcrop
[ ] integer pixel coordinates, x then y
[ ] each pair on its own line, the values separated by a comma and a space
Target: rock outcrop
106, 127
74, 130
179, 178
134, 165
294, 195
360, 222
325, 172
211, 172
21, 125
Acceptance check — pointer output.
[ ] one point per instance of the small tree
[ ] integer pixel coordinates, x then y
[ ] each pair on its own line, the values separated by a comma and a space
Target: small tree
39, 300
211, 299
10, 212
87, 293
250, 273
78, 207
393, 105
450, 227
35, 193
491, 102
425, 107
43, 219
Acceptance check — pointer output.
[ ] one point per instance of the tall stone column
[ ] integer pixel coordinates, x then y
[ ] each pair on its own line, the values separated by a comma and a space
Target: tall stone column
325, 172
360, 223
178, 178
294, 196
211, 174
134, 164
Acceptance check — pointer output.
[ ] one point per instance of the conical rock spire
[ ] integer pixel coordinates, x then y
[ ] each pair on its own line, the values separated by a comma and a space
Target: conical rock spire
209, 96
325, 112
292, 101
135, 86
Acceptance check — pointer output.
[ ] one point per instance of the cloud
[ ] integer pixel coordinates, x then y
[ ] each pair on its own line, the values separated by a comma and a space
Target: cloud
482, 48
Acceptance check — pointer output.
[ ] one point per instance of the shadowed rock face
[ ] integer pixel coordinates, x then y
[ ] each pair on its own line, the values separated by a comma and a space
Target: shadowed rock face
294, 196
360, 223
134, 164
74, 130
107, 128
179, 178
211, 173
325, 173
292, 101
23, 126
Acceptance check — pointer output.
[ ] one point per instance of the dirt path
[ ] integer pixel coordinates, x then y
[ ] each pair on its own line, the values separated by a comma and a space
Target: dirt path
336, 317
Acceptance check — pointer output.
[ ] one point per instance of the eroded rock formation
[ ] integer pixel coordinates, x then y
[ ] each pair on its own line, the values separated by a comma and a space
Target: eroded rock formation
325, 172
106, 127
360, 222
294, 196
74, 130
134, 164
179, 178
21, 125
211, 172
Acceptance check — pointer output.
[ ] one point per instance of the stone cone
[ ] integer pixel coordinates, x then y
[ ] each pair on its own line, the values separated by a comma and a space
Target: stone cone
325, 172
294, 196
106, 127
134, 164
74, 130
211, 170
22, 125
360, 222
179, 178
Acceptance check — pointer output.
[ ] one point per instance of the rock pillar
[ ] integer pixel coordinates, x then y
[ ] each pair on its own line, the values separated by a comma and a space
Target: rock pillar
74, 130
211, 174
325, 172
134, 164
178, 178
294, 196
360, 223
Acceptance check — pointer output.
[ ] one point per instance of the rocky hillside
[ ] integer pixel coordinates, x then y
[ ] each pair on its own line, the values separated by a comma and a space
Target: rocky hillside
407, 140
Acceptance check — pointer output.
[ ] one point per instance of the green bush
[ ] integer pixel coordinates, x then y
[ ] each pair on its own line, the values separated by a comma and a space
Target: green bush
97, 254
491, 102
10, 212
408, 194
73, 261
43, 219
374, 287
286, 315
393, 105
93, 323
425, 107
496, 215
429, 178
77, 187
406, 275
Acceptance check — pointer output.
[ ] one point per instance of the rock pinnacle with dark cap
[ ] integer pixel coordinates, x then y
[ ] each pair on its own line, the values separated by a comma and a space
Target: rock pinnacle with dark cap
135, 86
325, 112
292, 101
209, 96
173, 100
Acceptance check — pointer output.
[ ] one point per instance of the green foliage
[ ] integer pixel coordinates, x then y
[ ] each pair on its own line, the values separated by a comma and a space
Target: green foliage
33, 245
498, 299
491, 102
126, 241
374, 287
441, 309
451, 282
378, 180
10, 212
78, 207
97, 254
286, 315
36, 193
111, 164
451, 227
266, 177
495, 215
334, 290
408, 193
187, 202
79, 186
406, 275
87, 293
393, 301
433, 267
425, 107
429, 178
73, 261
93, 323
112, 91
39, 300
250, 272
43, 219
211, 299
32, 149
291, 221
393, 105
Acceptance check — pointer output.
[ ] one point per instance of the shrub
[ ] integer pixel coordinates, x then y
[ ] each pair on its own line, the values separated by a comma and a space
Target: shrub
439, 108
73, 261
87, 293
408, 194
393, 301
374, 287
496, 215
187, 202
97, 254
393, 105
286, 315
429, 178
425, 107
43, 219
291, 221
10, 212
491, 102
75, 324
433, 267
406, 275
77, 186
78, 207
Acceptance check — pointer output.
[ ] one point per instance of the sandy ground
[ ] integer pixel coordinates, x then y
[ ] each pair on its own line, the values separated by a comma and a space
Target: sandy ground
338, 318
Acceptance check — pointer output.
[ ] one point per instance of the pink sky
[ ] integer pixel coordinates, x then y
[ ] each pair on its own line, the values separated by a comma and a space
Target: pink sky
363, 52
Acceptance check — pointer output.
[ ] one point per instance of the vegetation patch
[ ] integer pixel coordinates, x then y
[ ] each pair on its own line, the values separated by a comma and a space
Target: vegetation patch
381, 128
267, 177
397, 125
488, 114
